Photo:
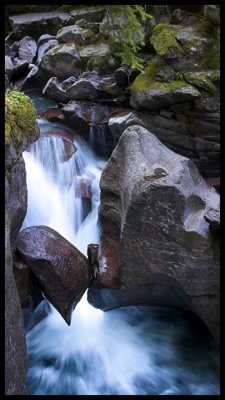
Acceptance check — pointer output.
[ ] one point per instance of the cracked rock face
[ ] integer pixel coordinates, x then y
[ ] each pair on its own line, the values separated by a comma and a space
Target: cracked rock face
155, 202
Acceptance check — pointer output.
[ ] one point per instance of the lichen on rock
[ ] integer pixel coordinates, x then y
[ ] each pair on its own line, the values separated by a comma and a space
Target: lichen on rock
20, 116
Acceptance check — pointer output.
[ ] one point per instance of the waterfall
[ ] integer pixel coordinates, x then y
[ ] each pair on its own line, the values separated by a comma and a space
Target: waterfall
132, 350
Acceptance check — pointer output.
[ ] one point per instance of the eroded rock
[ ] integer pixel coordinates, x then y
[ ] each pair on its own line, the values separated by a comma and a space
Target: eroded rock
60, 268
156, 201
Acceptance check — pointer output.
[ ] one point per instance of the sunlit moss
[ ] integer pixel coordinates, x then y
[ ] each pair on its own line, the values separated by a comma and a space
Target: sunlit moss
20, 116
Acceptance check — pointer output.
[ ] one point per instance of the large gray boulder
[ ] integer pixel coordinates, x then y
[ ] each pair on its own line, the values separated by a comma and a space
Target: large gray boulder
62, 271
152, 212
74, 33
192, 134
98, 58
62, 61
35, 23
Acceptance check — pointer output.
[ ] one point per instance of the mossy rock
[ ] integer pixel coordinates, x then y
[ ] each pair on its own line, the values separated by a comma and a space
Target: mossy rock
164, 40
200, 80
20, 117
147, 92
146, 81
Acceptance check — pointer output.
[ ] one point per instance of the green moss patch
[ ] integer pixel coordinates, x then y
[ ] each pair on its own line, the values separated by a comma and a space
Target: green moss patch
163, 39
20, 117
145, 81
201, 81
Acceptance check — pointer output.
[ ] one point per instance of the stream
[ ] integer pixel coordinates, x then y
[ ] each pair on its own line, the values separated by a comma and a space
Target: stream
130, 350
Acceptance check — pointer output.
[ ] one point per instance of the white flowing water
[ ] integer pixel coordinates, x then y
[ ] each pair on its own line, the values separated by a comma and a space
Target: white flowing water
132, 350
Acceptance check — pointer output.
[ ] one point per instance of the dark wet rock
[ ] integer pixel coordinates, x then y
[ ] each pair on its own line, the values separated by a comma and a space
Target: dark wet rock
74, 33
60, 268
68, 82
7, 50
44, 39
54, 90
15, 210
6, 82
69, 150
27, 49
90, 86
161, 290
35, 23
90, 14
52, 113
14, 49
98, 58
36, 78
122, 76
14, 66
212, 13
156, 200
183, 17
62, 61
9, 67
213, 218
15, 344
83, 188
207, 104
84, 114
23, 279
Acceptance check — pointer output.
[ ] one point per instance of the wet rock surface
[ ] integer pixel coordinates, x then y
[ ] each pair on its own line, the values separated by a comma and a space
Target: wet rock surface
157, 199
60, 268
15, 211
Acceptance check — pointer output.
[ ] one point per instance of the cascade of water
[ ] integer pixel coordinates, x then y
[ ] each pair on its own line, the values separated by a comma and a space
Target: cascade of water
128, 351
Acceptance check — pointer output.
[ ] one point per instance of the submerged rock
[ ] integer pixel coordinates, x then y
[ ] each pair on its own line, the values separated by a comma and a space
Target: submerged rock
153, 204
62, 271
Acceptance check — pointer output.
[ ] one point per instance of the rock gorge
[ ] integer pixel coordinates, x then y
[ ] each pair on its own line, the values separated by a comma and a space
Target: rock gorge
160, 206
